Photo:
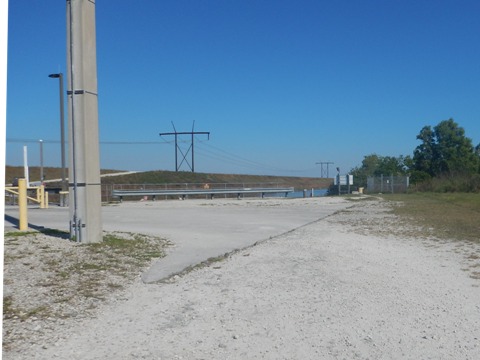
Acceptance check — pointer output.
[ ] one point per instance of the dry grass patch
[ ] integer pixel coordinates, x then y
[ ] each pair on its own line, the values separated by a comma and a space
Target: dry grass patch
449, 216
448, 222
48, 277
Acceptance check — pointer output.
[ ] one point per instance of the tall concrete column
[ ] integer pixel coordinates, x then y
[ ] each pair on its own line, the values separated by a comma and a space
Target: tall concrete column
84, 164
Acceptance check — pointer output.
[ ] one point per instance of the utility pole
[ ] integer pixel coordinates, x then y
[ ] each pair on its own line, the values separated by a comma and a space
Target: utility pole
84, 164
322, 172
190, 149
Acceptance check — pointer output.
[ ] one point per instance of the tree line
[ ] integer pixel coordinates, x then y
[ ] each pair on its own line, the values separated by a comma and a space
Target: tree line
445, 160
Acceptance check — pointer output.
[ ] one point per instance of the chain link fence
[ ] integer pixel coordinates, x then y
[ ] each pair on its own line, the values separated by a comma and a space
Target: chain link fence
388, 184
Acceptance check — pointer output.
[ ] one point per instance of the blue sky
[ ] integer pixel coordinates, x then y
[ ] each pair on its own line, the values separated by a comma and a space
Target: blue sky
280, 85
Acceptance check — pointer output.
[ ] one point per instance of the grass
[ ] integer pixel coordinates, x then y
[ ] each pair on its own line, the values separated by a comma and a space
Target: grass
17, 234
47, 231
10, 310
449, 215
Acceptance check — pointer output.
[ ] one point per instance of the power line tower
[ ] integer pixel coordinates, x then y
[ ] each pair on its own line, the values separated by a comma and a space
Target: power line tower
324, 171
191, 148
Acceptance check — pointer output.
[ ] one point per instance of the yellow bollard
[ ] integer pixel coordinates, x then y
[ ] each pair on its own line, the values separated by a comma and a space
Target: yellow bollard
41, 199
22, 204
45, 197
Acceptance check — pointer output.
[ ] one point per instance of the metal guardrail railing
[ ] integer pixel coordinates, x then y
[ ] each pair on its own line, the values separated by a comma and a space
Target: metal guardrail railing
41, 195
183, 193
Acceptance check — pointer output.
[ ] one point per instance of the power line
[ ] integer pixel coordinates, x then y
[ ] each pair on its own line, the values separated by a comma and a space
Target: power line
203, 148
220, 154
12, 140
134, 142
24, 141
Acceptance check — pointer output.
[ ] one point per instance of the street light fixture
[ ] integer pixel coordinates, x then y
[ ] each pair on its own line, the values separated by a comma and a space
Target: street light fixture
59, 76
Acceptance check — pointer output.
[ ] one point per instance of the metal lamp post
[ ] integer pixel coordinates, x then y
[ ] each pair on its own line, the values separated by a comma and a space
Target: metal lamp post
338, 180
41, 161
59, 76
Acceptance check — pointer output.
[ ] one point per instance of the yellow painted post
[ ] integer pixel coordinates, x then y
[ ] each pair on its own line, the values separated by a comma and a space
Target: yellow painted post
42, 196
45, 197
22, 204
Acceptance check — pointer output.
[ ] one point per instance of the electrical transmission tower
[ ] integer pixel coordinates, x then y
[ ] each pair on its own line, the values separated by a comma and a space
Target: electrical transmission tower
189, 150
324, 171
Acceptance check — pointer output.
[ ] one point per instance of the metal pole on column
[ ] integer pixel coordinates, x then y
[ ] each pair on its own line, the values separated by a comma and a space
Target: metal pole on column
62, 141
338, 180
25, 165
59, 76
41, 160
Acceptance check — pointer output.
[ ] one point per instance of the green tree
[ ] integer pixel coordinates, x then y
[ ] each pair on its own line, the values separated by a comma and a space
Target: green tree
390, 165
445, 150
477, 151
375, 165
368, 167
424, 155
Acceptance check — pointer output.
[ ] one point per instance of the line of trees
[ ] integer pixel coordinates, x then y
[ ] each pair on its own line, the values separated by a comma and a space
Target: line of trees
445, 160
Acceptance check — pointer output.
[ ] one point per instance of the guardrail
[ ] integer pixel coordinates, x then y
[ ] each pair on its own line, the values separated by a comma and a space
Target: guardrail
183, 193
22, 192
41, 195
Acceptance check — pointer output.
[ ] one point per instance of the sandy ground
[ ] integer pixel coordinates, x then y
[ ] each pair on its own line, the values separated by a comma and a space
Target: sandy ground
348, 286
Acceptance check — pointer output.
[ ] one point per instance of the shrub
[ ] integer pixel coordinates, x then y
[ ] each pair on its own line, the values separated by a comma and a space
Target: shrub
448, 184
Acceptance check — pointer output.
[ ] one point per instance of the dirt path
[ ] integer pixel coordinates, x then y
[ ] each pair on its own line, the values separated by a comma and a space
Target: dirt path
345, 287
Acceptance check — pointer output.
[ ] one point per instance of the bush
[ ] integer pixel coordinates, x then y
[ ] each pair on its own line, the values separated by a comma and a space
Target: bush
418, 177
474, 183
449, 184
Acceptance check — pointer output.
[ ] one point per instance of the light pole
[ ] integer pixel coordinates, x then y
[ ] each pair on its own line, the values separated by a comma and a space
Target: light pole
59, 76
41, 161
338, 180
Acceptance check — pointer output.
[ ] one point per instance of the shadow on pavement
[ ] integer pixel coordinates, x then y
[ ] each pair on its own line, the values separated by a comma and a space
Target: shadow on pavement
51, 232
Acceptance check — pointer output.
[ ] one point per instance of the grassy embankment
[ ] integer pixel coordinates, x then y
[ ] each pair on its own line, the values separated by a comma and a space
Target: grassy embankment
450, 215
172, 177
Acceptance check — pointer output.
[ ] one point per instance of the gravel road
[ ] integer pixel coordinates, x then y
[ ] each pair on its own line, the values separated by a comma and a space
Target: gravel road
349, 286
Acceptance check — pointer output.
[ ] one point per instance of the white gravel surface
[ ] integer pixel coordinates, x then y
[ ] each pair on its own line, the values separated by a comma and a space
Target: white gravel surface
346, 287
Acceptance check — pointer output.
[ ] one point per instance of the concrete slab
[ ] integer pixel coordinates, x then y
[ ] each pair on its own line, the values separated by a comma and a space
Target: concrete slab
199, 229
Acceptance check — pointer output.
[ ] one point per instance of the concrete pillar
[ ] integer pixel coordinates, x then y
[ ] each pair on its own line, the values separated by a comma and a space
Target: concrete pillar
84, 164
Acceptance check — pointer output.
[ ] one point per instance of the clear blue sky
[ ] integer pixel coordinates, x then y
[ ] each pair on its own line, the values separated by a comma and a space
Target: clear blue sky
280, 85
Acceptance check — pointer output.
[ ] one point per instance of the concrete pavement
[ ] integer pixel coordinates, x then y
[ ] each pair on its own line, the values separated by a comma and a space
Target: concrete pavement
199, 229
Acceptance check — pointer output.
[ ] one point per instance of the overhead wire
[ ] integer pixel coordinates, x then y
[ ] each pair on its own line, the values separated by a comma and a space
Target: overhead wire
211, 151
12, 140
205, 149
